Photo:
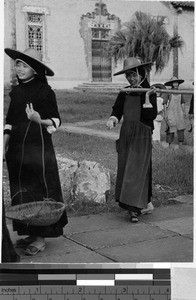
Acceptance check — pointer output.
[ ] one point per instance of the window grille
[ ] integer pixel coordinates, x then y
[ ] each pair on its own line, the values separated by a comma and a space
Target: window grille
100, 34
105, 34
158, 18
35, 31
95, 34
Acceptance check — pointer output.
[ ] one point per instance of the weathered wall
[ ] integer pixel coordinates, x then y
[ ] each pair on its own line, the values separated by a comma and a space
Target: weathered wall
10, 37
65, 47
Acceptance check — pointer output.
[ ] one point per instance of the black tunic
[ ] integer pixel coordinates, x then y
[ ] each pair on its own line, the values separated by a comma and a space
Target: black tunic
134, 147
26, 151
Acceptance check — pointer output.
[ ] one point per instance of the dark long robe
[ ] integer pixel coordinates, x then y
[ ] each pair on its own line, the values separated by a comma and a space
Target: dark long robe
26, 151
9, 254
134, 147
191, 108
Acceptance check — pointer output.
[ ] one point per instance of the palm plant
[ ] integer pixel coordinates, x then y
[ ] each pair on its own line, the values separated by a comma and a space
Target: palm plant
146, 38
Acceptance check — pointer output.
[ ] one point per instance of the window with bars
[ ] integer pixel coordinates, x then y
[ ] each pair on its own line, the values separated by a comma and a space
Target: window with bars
158, 18
100, 34
35, 31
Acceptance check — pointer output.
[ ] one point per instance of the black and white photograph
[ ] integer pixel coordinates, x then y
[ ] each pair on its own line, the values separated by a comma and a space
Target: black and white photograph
97, 150
98, 124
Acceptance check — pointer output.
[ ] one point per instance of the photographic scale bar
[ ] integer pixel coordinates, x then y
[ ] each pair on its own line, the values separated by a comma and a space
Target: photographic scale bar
133, 285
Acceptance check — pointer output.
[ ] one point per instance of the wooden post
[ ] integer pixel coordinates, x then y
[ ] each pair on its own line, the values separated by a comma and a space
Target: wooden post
166, 91
175, 50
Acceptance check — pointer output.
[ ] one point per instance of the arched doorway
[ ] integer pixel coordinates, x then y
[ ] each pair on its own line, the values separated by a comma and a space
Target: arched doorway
101, 64
96, 29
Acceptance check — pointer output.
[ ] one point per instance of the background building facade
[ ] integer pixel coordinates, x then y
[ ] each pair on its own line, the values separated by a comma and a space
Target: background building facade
72, 36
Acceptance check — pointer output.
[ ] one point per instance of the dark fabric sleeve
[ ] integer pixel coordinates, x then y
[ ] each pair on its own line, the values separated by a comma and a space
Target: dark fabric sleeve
117, 108
8, 252
191, 108
165, 98
183, 99
10, 113
48, 106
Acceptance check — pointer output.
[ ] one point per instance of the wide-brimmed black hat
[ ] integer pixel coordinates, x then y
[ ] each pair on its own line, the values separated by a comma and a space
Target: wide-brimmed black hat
172, 80
159, 86
132, 63
32, 58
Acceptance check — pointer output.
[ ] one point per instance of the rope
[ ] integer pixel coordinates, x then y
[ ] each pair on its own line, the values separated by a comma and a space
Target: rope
20, 170
43, 162
42, 155
35, 213
43, 169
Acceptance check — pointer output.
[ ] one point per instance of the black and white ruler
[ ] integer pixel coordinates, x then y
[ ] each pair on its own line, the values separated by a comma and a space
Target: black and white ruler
85, 284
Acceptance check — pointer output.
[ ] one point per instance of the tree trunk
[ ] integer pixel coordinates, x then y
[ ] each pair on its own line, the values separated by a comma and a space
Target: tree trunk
175, 50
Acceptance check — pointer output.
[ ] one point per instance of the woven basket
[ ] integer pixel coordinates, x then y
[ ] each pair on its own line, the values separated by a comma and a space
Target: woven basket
38, 213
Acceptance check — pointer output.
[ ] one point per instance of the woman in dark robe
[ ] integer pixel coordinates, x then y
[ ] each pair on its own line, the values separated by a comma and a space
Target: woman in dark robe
31, 119
134, 147
9, 253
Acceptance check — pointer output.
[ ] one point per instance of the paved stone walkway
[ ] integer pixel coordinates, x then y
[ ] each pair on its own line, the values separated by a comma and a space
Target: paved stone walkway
164, 236
84, 128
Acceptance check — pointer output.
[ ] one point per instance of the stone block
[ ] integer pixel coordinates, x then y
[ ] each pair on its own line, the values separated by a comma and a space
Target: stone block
91, 182
83, 181
66, 167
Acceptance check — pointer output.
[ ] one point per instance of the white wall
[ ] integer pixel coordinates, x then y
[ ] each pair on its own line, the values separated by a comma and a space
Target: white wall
66, 52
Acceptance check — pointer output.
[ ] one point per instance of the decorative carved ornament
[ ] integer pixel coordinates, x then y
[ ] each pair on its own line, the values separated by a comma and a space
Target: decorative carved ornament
100, 17
36, 9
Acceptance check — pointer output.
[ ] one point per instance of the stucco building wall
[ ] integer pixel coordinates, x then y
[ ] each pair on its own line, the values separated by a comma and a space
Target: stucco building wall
186, 58
66, 50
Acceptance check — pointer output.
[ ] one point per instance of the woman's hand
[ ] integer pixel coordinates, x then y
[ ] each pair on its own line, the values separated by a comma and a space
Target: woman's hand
191, 116
112, 122
147, 103
152, 90
32, 115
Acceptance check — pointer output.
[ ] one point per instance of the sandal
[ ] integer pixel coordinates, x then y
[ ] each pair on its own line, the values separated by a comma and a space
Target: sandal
34, 248
148, 209
25, 242
133, 217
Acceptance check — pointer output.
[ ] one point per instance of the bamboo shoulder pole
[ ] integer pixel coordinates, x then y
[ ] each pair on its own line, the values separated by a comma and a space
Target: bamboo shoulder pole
168, 91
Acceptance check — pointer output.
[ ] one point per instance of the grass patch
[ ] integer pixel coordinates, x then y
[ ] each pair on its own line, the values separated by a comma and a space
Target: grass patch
83, 147
84, 106
172, 170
